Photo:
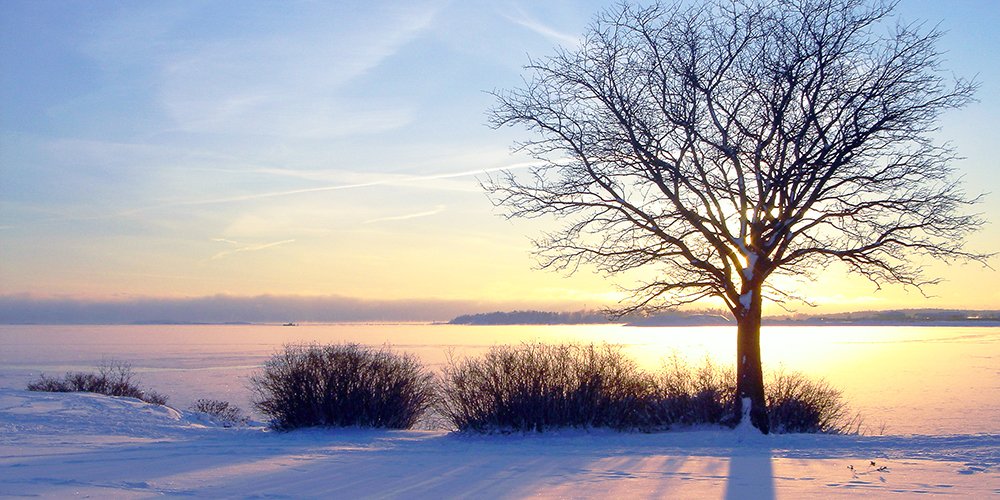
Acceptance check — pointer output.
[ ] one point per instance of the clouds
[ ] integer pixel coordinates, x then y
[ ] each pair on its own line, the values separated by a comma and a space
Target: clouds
23, 309
383, 180
329, 147
240, 248
416, 215
224, 308
287, 77
518, 16
334, 145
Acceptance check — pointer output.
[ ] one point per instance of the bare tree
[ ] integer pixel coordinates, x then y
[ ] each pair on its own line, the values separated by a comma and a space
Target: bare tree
725, 143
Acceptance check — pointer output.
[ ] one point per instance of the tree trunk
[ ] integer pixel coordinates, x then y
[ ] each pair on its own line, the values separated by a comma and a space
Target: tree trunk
749, 376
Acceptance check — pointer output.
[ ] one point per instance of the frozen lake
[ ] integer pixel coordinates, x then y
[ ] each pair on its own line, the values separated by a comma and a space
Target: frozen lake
914, 380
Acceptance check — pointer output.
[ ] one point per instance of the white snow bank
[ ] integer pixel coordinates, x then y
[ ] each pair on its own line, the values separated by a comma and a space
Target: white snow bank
77, 414
60, 445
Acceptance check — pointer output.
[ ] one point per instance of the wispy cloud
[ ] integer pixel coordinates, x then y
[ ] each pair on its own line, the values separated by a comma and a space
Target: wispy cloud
219, 308
246, 248
394, 180
386, 180
520, 17
436, 210
288, 83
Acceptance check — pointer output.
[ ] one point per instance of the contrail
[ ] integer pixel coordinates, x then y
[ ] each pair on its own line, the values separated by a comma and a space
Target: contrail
277, 194
438, 209
292, 192
249, 248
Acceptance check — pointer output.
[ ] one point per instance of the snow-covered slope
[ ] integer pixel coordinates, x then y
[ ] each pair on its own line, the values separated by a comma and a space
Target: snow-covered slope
62, 445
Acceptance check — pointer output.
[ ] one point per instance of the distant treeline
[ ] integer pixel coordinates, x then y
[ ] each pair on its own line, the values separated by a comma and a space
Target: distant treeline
897, 317
593, 317
712, 317
532, 318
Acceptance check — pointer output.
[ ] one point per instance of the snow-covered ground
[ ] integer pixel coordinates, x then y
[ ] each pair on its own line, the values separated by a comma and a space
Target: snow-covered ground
65, 445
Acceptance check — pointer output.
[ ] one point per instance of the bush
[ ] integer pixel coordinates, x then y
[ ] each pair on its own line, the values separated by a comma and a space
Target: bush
341, 386
693, 396
797, 404
223, 412
533, 387
538, 386
153, 397
113, 378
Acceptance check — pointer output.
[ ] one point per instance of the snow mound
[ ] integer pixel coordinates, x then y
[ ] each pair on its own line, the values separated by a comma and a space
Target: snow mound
81, 413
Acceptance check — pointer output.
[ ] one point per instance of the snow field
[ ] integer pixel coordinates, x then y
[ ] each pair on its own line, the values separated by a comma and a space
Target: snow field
62, 445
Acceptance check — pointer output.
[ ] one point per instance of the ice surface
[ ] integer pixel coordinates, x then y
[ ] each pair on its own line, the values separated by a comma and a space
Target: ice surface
914, 380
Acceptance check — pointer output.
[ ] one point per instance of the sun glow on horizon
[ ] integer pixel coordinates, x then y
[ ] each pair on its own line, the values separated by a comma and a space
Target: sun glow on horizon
335, 150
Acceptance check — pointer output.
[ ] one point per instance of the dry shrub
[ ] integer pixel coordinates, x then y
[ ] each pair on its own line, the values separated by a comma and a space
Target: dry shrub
341, 386
706, 395
796, 404
533, 387
539, 386
223, 412
693, 396
113, 378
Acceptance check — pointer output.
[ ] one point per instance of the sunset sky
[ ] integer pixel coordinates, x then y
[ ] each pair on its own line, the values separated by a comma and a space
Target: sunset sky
187, 149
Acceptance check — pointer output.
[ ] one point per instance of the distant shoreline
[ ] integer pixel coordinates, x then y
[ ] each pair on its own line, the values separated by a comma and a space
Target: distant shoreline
914, 317
669, 322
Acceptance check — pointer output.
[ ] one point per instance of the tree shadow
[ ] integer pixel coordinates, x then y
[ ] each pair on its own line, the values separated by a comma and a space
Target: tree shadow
751, 475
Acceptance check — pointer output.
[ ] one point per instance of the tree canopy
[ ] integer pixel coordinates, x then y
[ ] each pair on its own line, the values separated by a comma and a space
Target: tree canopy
724, 142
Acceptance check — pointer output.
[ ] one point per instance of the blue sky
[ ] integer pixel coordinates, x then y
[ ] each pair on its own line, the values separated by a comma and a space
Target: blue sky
182, 149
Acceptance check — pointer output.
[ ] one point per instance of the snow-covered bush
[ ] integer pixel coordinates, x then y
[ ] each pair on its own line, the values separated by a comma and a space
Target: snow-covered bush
341, 386
540, 386
222, 412
113, 378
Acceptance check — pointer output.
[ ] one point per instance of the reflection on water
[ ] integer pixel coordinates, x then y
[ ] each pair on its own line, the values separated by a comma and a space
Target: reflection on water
926, 380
